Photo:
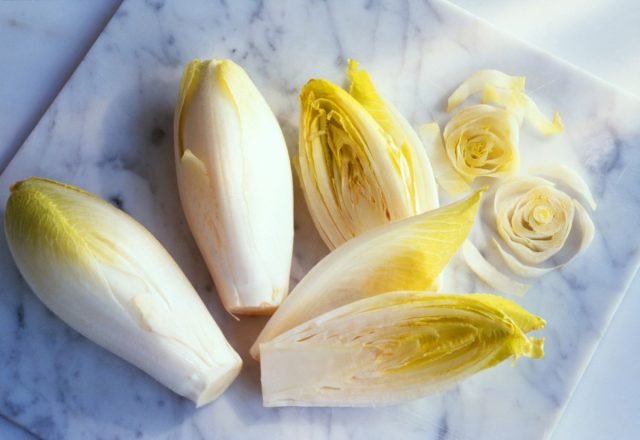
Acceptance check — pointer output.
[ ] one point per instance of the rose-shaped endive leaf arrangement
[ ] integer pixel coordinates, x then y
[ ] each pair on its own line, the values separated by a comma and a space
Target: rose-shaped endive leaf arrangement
482, 140
534, 218
536, 222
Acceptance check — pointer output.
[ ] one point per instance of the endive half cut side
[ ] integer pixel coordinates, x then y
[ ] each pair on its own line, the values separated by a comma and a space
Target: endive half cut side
405, 255
235, 184
394, 347
107, 277
360, 163
410, 156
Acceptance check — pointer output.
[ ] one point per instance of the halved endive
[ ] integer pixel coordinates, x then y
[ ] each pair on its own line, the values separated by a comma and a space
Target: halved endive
394, 347
404, 255
360, 163
107, 277
235, 184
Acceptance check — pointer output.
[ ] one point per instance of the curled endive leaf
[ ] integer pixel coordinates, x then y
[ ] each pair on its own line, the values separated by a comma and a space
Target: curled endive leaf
479, 141
360, 163
394, 347
406, 255
509, 92
107, 277
235, 185
489, 273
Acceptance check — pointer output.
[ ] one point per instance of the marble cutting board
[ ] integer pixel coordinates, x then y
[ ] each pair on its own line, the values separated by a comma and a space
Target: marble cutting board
110, 131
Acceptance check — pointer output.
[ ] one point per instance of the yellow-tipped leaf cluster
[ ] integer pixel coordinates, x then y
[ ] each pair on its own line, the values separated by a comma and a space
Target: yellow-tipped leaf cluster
360, 163
107, 277
393, 347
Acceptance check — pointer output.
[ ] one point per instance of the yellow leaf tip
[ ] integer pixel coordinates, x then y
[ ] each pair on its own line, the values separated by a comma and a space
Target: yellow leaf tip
537, 348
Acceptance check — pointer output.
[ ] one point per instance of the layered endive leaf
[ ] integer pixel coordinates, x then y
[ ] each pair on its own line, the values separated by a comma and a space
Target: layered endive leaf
479, 141
509, 92
235, 184
535, 221
107, 277
410, 156
360, 163
405, 255
539, 228
394, 347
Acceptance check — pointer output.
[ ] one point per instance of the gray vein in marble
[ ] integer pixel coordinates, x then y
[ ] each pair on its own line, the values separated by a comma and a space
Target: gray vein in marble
110, 131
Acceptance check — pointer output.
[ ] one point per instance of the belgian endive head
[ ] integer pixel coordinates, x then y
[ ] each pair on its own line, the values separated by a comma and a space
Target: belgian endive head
235, 184
107, 277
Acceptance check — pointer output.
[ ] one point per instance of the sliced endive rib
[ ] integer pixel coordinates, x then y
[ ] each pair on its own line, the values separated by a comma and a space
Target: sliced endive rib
360, 163
394, 347
235, 185
107, 277
405, 255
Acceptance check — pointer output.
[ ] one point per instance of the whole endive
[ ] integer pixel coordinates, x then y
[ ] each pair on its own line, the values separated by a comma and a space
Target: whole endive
360, 163
235, 184
107, 277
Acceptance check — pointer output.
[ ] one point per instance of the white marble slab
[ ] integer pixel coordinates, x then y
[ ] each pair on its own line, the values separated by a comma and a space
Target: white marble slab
599, 36
109, 131
12, 431
41, 43
605, 404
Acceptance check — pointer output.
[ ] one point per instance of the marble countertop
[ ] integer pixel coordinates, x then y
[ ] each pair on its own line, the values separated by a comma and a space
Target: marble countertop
604, 404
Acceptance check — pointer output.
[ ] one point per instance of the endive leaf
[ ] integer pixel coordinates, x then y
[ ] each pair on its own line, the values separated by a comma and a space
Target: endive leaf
507, 91
405, 255
448, 178
563, 174
512, 86
107, 277
489, 273
393, 347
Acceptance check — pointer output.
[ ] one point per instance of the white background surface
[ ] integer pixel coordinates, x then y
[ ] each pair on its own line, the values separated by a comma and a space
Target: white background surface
42, 43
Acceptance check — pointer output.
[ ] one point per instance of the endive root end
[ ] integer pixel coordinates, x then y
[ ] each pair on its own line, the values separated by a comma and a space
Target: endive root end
215, 388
